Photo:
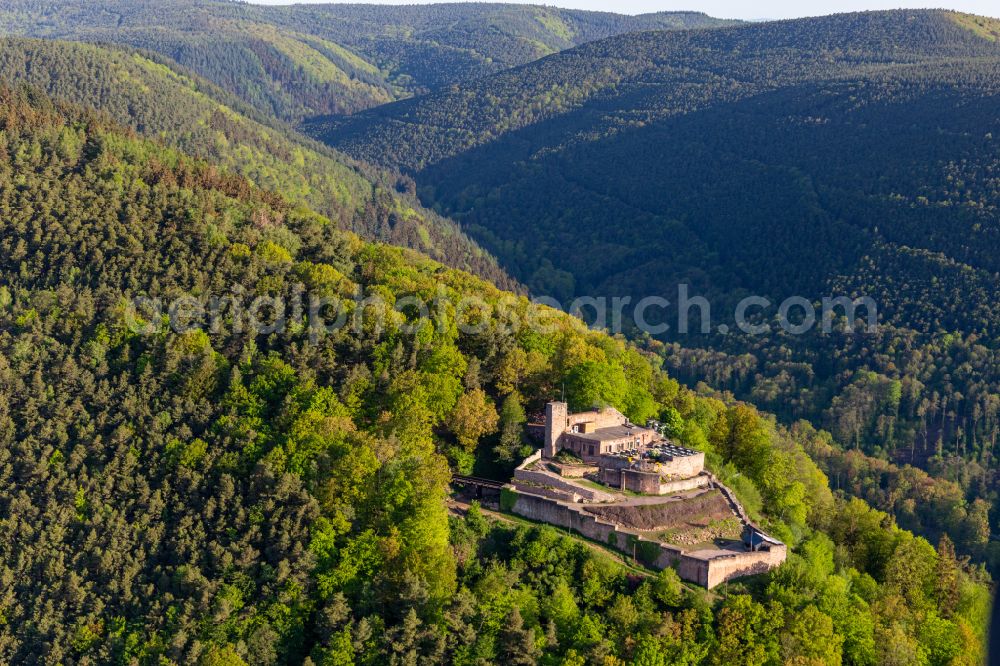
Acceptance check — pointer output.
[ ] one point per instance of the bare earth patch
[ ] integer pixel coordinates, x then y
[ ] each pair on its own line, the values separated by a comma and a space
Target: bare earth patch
697, 512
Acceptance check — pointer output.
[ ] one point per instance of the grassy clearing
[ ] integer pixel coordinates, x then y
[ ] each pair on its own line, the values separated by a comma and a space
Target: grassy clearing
985, 27
695, 537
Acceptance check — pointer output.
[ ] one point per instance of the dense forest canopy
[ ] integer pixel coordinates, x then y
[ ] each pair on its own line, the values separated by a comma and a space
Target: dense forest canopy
629, 81
300, 61
220, 490
230, 495
160, 99
839, 156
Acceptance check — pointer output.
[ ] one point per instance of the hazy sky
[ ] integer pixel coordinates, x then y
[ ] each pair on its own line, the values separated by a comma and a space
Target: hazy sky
742, 9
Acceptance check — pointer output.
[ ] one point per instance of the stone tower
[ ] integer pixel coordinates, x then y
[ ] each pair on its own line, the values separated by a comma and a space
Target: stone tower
556, 418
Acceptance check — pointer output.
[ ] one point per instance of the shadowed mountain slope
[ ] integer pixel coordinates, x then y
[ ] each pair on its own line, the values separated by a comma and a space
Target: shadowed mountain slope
853, 154
187, 493
305, 60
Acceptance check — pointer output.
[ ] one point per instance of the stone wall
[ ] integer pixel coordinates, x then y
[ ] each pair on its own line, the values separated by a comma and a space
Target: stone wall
610, 477
681, 485
737, 565
684, 466
706, 570
647, 483
561, 515
534, 457
602, 418
731, 498
572, 471
554, 481
650, 483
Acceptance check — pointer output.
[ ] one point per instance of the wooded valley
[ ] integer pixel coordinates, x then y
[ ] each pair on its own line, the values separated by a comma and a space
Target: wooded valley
840, 156
249, 494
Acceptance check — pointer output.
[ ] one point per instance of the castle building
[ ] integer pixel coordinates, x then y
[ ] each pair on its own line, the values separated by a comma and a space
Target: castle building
704, 532
626, 456
592, 434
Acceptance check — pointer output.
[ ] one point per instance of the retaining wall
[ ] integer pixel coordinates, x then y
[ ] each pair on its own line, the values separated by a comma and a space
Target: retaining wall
647, 483
731, 498
651, 483
737, 565
680, 485
573, 471
555, 481
707, 570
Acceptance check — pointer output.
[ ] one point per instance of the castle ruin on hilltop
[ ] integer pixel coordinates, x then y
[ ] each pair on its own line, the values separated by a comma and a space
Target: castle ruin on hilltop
627, 456
631, 488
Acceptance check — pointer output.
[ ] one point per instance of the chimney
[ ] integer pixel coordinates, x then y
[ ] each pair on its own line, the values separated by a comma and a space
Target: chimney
556, 418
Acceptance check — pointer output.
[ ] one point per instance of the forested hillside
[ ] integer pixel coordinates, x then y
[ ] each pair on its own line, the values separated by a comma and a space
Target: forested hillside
161, 100
230, 495
300, 61
604, 88
839, 156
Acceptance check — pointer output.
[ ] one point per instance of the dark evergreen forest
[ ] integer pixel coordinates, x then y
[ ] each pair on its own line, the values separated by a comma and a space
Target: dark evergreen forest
840, 156
238, 495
